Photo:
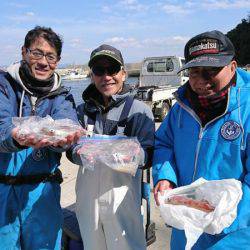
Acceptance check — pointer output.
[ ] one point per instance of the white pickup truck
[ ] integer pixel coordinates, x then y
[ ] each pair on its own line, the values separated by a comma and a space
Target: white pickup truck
158, 80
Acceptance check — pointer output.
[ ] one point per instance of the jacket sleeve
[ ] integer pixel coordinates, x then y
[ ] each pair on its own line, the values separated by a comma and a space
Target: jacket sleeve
71, 152
8, 109
164, 167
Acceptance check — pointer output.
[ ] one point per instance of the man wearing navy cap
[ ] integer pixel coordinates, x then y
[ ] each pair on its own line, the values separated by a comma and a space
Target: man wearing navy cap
212, 117
108, 203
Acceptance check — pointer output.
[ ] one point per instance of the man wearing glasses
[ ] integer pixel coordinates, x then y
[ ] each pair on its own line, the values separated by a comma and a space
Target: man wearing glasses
212, 118
30, 213
109, 202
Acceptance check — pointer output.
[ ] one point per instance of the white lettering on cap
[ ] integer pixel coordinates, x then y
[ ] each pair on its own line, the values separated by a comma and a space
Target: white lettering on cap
205, 46
107, 52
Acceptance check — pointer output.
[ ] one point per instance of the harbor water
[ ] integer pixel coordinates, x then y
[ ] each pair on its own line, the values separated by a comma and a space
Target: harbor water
78, 86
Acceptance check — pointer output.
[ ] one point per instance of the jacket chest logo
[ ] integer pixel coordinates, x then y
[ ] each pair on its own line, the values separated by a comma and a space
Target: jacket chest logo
230, 130
38, 154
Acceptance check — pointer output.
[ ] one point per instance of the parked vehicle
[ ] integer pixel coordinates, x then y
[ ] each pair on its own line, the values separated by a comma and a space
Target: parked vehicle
159, 78
74, 75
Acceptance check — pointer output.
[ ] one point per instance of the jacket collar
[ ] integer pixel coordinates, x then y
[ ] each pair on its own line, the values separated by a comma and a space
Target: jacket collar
13, 70
92, 97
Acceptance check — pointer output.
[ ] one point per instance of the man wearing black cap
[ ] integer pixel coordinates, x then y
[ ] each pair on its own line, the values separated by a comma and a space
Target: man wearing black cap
109, 202
211, 117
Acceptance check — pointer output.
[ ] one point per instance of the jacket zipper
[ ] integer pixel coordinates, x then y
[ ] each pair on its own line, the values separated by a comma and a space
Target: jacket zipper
202, 129
33, 106
197, 151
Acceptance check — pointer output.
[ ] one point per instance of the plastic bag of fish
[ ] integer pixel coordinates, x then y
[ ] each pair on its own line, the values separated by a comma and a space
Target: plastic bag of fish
120, 153
45, 127
202, 206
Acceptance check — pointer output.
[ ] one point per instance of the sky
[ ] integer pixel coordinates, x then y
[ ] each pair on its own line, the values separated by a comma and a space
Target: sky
138, 28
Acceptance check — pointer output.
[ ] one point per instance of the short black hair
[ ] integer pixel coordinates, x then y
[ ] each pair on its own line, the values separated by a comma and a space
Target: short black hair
48, 34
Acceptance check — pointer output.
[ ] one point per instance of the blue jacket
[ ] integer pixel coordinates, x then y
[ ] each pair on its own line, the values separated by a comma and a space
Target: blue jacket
30, 214
186, 151
58, 104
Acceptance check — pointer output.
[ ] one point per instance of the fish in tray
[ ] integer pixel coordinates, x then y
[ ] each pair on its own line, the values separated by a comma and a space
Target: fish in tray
202, 205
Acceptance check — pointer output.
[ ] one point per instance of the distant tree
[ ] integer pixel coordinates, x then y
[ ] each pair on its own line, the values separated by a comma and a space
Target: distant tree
240, 37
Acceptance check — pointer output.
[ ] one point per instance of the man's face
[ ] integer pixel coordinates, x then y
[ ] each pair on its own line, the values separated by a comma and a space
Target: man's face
108, 76
207, 81
42, 67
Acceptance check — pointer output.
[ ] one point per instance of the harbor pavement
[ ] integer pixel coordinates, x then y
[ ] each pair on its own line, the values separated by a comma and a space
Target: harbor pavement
68, 197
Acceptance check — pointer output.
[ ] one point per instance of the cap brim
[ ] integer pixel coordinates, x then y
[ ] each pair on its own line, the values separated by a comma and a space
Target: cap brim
208, 61
99, 55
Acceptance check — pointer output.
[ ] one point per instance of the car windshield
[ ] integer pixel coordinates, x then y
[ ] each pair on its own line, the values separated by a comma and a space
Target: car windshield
166, 65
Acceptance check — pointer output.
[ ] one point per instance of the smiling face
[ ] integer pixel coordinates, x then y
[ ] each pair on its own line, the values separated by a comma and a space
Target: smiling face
207, 81
108, 84
40, 68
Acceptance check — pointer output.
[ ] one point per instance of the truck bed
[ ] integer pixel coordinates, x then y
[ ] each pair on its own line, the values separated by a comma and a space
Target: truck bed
156, 93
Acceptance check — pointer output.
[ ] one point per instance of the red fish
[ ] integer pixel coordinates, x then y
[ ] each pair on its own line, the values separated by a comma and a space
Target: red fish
202, 205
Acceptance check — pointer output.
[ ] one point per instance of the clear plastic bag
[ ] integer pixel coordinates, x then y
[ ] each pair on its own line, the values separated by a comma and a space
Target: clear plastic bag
203, 206
120, 153
45, 127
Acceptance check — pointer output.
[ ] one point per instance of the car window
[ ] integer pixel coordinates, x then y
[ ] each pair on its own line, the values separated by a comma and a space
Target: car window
150, 67
169, 65
166, 65
159, 66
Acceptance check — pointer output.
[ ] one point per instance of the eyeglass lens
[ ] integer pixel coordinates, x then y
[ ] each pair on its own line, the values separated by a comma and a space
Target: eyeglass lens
36, 54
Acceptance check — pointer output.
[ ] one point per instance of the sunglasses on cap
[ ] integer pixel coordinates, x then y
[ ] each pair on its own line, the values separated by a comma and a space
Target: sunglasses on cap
111, 70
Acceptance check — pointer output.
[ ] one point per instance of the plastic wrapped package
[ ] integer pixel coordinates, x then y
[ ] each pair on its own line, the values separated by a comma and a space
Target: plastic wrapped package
45, 127
203, 206
190, 200
120, 153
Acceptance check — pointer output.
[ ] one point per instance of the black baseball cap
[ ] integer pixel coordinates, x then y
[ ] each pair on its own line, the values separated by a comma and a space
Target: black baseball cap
106, 51
208, 49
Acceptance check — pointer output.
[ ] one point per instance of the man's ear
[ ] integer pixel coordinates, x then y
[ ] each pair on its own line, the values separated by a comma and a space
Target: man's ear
124, 74
233, 66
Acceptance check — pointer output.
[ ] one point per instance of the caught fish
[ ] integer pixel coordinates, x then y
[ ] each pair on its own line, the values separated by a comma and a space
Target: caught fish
202, 205
54, 132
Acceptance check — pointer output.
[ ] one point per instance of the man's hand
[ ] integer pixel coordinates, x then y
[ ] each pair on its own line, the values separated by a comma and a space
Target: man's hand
71, 138
161, 186
89, 151
29, 140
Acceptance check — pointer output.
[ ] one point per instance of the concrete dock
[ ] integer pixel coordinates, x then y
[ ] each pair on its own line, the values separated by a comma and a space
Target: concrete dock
68, 197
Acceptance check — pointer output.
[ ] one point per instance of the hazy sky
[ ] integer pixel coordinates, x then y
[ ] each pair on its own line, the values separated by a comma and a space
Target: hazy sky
138, 28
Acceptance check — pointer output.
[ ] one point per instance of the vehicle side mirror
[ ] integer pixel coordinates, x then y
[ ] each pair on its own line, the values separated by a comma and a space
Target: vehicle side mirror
185, 73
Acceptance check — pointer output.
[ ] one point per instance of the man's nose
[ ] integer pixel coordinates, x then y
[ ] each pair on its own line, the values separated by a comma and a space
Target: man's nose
43, 60
107, 75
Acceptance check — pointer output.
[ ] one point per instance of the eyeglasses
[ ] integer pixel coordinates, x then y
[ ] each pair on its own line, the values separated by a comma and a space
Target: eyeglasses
206, 72
37, 55
109, 70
